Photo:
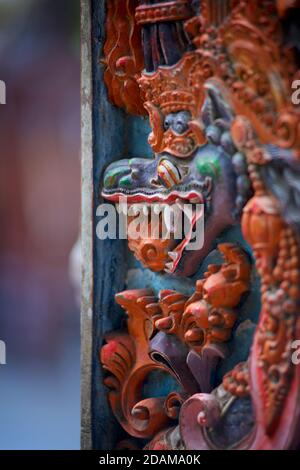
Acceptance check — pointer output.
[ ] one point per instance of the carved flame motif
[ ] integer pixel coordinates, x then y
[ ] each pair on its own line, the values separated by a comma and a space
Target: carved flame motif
123, 56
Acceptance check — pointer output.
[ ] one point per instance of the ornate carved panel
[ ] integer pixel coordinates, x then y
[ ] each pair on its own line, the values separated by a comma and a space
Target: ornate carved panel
215, 79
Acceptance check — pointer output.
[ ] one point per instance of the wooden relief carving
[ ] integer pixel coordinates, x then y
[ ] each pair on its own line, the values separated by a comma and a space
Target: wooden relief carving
216, 80
123, 56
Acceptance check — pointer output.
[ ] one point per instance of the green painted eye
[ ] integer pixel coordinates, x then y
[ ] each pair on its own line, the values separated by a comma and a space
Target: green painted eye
209, 167
125, 181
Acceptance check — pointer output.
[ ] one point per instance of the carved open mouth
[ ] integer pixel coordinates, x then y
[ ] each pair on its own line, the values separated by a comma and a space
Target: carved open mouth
188, 206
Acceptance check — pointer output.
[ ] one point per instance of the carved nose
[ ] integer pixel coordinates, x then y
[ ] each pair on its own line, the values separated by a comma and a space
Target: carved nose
168, 173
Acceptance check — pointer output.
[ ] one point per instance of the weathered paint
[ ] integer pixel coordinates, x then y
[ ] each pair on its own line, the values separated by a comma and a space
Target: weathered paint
86, 226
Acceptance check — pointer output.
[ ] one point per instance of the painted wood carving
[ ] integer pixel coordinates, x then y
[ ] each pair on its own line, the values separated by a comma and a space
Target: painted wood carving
215, 78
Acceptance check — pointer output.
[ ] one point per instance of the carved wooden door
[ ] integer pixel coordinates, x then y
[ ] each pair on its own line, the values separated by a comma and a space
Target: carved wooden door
190, 103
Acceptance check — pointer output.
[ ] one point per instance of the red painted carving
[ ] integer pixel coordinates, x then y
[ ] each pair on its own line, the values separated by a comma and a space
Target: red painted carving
238, 48
202, 321
151, 252
208, 317
166, 11
236, 382
123, 56
277, 259
126, 357
285, 5
170, 90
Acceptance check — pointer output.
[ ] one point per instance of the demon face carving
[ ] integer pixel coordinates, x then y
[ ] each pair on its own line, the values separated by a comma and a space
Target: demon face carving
214, 174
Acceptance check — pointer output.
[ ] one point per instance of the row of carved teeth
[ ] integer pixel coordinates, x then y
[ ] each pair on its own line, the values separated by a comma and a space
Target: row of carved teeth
156, 206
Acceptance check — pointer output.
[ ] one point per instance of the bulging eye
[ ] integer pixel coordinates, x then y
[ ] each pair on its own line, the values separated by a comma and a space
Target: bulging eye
167, 124
168, 173
180, 127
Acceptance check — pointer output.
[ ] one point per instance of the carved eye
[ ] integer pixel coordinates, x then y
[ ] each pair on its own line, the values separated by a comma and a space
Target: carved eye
181, 122
168, 173
179, 127
167, 123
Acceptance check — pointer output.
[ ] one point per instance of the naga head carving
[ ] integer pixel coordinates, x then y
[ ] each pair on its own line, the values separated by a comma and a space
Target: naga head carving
213, 174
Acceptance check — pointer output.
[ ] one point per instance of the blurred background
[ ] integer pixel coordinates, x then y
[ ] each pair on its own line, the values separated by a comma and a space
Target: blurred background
39, 220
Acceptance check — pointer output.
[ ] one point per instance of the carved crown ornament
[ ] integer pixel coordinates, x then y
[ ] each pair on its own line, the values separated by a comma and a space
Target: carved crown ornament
215, 78
239, 45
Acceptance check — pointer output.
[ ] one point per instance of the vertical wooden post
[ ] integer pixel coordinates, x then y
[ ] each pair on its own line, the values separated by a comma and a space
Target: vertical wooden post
86, 225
